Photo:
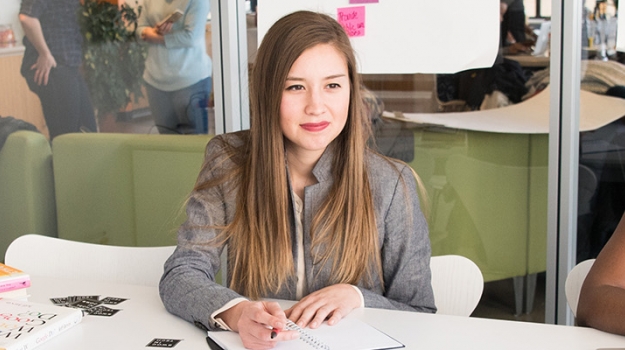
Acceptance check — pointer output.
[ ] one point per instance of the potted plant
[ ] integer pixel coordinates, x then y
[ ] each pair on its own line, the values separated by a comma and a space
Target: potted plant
113, 58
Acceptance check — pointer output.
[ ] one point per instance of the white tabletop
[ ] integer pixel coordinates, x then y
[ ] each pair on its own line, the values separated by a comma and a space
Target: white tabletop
143, 318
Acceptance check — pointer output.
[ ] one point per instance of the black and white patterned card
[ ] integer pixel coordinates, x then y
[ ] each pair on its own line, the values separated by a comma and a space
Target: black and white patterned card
85, 304
163, 343
112, 300
102, 310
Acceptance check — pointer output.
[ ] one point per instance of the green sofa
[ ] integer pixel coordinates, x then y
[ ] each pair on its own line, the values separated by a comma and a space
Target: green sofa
26, 188
124, 189
117, 189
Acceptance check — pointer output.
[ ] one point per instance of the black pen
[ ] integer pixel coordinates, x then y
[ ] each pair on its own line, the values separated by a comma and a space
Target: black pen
212, 345
274, 332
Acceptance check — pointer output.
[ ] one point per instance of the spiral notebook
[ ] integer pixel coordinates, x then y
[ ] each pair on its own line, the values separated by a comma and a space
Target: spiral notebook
349, 334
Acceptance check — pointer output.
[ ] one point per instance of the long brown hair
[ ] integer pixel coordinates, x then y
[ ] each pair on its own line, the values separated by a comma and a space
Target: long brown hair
343, 231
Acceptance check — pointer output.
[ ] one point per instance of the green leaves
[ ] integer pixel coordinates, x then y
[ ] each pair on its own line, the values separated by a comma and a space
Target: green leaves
113, 59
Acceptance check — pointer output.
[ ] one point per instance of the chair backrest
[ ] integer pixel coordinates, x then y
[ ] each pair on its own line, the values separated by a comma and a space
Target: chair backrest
55, 257
457, 283
574, 281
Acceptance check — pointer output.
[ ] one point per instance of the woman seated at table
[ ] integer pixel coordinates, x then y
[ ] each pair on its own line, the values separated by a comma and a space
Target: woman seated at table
602, 298
307, 211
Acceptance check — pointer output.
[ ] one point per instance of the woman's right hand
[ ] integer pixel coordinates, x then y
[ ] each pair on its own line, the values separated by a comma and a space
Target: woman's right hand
255, 322
152, 36
42, 68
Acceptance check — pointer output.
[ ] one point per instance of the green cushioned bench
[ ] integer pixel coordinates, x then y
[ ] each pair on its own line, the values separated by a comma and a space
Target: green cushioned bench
124, 189
26, 187
106, 188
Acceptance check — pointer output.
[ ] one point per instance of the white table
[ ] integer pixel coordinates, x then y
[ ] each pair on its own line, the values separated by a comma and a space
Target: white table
141, 319
144, 318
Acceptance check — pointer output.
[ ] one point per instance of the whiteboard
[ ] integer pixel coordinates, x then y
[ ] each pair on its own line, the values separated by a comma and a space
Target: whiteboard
409, 36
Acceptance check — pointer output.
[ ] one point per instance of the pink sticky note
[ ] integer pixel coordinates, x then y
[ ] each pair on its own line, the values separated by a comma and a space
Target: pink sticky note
364, 1
352, 19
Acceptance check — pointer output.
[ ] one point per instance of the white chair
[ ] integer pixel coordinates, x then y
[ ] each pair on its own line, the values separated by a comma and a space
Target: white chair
574, 281
457, 283
55, 257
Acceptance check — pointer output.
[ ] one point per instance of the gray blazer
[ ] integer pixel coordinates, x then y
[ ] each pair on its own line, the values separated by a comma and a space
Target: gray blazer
188, 288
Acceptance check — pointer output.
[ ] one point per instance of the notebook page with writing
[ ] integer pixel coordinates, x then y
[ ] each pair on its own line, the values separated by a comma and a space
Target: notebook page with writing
349, 334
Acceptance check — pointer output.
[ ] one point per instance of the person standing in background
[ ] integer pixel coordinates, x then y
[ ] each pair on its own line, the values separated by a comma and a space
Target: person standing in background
513, 22
178, 71
51, 64
601, 8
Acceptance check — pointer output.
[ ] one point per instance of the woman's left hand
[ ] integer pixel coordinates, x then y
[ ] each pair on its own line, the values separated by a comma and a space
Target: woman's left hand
331, 303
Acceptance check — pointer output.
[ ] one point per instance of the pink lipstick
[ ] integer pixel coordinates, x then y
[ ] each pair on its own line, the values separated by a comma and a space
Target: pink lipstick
314, 127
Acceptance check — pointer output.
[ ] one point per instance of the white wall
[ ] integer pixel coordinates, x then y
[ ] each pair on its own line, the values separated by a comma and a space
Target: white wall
8, 15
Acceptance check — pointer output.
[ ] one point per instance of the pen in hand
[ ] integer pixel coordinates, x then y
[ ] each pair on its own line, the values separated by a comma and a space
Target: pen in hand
274, 332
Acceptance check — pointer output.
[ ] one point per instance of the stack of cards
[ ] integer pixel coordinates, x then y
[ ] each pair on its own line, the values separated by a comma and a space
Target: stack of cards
90, 304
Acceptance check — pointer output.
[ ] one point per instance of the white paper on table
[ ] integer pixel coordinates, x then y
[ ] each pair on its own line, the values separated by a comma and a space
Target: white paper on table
410, 36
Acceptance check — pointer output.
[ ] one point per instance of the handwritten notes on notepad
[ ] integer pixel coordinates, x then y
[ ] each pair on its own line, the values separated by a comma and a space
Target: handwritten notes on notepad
349, 334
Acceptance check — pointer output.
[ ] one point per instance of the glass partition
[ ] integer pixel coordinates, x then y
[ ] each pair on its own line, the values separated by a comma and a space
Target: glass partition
484, 166
486, 188
602, 142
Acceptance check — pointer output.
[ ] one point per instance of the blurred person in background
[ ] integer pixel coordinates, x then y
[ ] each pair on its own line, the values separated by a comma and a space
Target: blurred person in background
178, 71
51, 64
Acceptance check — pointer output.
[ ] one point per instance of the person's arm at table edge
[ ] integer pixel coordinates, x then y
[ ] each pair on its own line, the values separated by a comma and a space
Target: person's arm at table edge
602, 297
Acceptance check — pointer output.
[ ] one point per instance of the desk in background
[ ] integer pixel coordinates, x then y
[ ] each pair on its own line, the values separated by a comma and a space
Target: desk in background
143, 318
530, 61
